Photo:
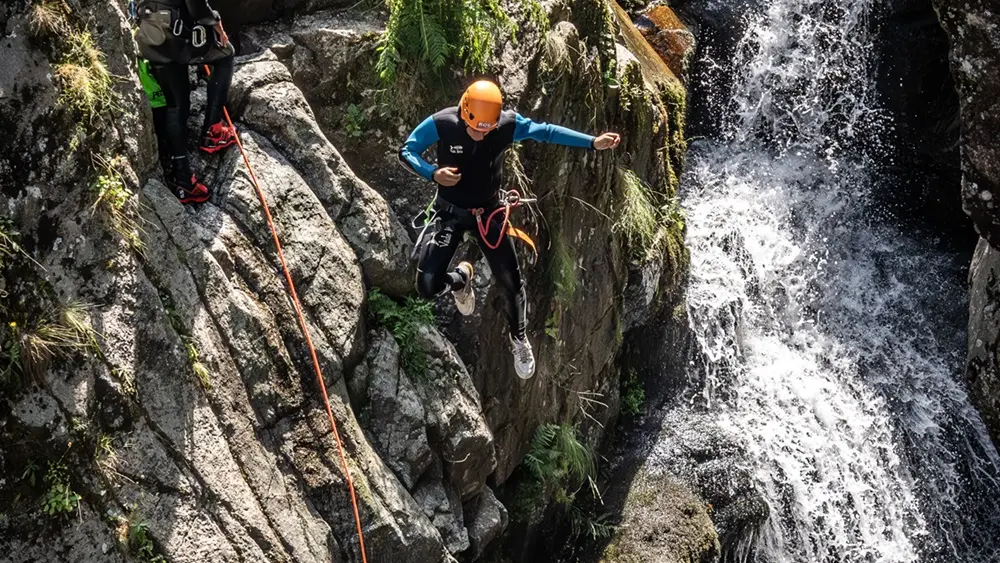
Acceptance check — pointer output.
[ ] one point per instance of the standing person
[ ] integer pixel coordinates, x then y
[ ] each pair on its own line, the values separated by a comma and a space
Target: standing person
172, 35
471, 140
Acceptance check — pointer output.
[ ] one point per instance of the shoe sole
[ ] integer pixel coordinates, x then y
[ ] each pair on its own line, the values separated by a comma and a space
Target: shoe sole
472, 273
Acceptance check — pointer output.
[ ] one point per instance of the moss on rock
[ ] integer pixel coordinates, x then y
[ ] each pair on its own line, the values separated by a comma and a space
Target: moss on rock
663, 521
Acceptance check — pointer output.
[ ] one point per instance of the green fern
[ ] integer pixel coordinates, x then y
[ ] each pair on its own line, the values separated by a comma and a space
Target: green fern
559, 460
403, 321
433, 34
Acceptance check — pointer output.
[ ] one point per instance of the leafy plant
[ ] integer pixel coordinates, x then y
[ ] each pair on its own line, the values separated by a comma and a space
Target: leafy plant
552, 324
354, 121
31, 472
116, 201
59, 498
431, 34
585, 524
559, 460
403, 321
632, 393
141, 545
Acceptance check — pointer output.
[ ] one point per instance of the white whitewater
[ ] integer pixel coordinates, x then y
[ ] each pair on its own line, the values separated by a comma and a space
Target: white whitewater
833, 344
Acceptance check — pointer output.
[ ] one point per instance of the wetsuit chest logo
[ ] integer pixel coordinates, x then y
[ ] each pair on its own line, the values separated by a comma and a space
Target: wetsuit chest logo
455, 149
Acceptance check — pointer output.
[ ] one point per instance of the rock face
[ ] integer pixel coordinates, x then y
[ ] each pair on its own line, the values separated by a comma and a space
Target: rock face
184, 417
983, 366
672, 40
975, 38
975, 41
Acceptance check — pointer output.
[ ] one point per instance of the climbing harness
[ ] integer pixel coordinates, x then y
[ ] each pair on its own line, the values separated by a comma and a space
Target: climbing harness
305, 329
510, 199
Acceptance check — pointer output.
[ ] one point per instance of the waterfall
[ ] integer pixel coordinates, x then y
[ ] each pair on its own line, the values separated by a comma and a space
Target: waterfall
833, 344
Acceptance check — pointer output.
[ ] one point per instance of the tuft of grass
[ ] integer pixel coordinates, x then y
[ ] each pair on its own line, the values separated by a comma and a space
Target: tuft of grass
199, 369
28, 345
48, 18
106, 457
83, 77
116, 201
403, 321
648, 221
513, 163
8, 240
632, 394
637, 220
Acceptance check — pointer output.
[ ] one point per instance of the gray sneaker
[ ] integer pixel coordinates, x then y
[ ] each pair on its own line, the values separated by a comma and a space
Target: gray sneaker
465, 298
524, 359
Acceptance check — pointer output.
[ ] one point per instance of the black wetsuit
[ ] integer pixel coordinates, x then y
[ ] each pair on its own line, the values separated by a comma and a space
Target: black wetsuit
481, 165
170, 36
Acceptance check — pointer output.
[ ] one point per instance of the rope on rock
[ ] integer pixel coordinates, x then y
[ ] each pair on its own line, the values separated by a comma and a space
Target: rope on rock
305, 329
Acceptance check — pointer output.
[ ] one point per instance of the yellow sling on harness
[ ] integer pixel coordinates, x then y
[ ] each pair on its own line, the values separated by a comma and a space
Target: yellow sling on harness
519, 234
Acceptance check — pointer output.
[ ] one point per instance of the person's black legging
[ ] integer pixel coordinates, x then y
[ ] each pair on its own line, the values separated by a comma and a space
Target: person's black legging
173, 79
433, 277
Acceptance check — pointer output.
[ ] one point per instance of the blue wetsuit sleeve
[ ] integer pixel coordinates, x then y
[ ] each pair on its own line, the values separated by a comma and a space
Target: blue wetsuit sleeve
548, 133
423, 136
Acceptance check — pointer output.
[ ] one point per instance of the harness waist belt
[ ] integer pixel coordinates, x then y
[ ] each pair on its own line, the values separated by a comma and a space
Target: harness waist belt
462, 212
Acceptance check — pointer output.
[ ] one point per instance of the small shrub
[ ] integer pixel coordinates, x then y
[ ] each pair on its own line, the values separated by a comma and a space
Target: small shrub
83, 77
403, 321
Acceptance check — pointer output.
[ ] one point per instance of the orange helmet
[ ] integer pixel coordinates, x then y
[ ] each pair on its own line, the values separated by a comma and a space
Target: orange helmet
480, 105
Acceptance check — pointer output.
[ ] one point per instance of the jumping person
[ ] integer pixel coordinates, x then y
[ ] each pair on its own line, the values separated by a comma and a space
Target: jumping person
172, 35
471, 140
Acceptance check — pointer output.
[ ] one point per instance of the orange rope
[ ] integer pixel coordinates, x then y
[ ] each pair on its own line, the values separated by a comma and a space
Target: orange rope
305, 330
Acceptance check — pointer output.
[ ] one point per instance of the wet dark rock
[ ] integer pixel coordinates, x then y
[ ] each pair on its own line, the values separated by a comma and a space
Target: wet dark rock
697, 451
974, 39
